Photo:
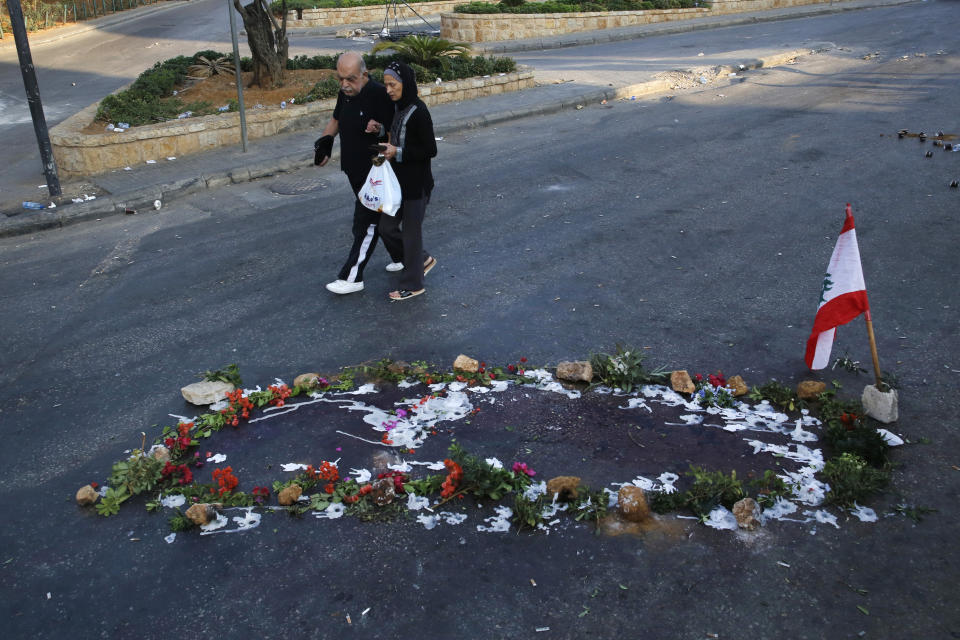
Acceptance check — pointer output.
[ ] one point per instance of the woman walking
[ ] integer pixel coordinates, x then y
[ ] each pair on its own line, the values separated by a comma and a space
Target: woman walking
411, 145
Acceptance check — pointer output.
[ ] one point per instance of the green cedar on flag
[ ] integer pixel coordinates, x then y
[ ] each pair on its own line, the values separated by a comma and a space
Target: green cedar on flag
843, 296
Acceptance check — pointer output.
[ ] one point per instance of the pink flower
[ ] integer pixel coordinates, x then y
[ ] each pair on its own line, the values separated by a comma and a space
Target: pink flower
401, 413
339, 449
521, 467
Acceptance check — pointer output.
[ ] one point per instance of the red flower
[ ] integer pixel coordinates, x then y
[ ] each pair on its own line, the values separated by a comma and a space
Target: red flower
523, 359
511, 368
94, 484
493, 377
329, 488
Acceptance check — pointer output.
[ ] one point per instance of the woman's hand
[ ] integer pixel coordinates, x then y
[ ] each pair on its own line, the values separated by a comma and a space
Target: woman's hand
390, 152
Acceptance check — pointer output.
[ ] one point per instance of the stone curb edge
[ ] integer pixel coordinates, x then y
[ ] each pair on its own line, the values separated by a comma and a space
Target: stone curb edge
143, 199
582, 39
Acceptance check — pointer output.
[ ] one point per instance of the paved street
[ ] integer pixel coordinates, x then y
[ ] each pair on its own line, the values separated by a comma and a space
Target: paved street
695, 225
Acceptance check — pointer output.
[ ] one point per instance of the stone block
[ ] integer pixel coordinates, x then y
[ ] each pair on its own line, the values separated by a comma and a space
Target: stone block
748, 513
202, 513
87, 495
206, 391
289, 495
565, 487
880, 405
579, 371
466, 364
681, 382
632, 503
809, 389
739, 387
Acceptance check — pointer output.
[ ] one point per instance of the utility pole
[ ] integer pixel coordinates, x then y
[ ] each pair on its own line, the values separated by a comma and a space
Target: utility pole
33, 96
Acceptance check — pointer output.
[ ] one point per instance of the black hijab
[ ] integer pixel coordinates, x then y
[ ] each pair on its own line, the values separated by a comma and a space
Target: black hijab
409, 80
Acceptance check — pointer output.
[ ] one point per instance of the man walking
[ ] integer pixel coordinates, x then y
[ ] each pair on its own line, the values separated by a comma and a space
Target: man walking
362, 117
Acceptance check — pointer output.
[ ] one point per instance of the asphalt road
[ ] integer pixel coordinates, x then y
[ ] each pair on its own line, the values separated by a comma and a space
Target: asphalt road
76, 71
696, 226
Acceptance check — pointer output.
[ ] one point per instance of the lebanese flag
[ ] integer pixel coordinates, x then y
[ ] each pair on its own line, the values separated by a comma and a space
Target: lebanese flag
842, 298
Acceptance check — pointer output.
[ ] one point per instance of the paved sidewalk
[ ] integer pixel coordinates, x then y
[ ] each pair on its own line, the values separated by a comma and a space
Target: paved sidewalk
167, 180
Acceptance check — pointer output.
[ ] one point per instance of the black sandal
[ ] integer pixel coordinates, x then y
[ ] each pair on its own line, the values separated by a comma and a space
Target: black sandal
404, 294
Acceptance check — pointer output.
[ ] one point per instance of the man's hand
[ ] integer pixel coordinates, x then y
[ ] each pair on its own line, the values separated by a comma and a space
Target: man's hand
373, 127
322, 150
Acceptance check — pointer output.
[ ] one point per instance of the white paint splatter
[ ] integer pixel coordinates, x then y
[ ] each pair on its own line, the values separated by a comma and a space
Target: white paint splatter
213, 525
499, 522
890, 438
429, 522
415, 502
824, 517
535, 490
217, 458
170, 538
865, 514
293, 466
406, 384
637, 403
780, 509
360, 475
333, 511
721, 518
173, 501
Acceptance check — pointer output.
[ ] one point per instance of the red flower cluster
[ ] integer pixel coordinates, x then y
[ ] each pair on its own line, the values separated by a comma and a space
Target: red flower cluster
280, 394
327, 471
398, 479
237, 403
715, 379
385, 438
517, 368
849, 420
454, 476
260, 494
225, 478
171, 471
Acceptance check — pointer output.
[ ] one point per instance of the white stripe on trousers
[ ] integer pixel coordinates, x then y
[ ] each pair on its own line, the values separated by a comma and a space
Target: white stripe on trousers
364, 248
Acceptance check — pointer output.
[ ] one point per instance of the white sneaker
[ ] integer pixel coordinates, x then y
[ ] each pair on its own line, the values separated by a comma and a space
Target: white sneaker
394, 266
342, 286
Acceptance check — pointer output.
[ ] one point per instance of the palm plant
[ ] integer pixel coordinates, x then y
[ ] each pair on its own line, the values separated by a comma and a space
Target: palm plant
426, 51
206, 67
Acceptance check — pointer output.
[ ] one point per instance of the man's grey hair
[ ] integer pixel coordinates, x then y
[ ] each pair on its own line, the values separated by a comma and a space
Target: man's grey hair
353, 56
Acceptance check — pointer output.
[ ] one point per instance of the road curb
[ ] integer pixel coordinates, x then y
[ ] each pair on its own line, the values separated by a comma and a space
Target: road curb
117, 204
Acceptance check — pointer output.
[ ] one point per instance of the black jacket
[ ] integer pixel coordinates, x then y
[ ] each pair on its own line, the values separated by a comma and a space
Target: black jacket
352, 115
415, 144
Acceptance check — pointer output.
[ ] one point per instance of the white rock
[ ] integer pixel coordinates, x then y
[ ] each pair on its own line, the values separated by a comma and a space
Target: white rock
880, 405
206, 392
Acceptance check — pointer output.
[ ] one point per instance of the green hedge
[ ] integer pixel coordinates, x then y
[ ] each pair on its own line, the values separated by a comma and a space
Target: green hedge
150, 98
571, 6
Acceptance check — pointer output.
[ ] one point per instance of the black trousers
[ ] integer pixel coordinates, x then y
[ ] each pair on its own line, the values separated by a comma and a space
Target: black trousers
365, 235
403, 235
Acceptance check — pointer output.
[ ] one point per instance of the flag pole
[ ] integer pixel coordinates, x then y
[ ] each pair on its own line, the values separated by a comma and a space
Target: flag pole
873, 350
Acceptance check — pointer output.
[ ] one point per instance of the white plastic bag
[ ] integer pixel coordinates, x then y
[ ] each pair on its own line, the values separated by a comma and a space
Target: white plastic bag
381, 191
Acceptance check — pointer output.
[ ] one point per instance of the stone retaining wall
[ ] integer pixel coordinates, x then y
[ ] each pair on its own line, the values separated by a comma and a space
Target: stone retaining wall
84, 154
492, 27
336, 17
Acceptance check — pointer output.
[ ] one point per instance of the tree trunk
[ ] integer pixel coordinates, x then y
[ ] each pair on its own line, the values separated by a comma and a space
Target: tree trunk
268, 43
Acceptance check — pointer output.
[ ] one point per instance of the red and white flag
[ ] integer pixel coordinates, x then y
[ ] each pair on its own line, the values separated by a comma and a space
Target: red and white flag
842, 298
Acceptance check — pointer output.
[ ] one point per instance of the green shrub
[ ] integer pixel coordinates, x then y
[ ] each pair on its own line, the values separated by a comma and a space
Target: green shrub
623, 370
852, 480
